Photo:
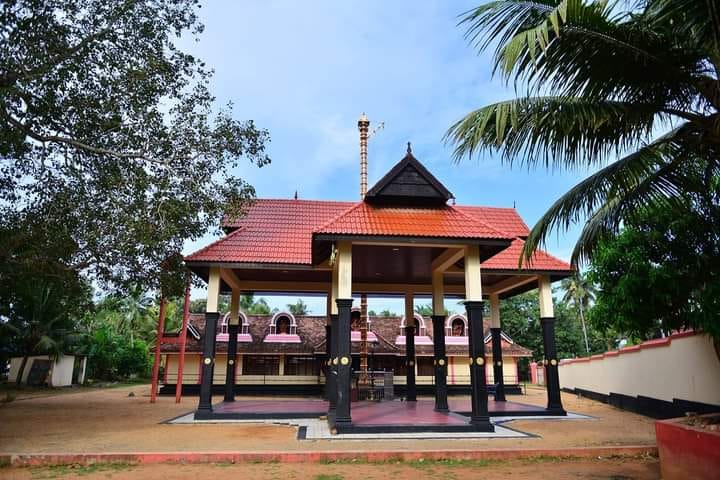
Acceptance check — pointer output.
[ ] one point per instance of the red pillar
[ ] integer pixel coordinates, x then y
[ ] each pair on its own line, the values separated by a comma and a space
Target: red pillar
158, 342
183, 341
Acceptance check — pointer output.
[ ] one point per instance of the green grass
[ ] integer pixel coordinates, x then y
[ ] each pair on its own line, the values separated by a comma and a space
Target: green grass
59, 471
322, 476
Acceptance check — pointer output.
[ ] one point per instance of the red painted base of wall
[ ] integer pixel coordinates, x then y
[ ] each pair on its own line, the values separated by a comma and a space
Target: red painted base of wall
687, 452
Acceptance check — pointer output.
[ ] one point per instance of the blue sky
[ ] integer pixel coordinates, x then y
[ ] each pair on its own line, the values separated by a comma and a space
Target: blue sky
307, 70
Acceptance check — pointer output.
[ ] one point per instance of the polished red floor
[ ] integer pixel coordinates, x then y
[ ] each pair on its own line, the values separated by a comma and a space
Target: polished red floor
374, 413
273, 406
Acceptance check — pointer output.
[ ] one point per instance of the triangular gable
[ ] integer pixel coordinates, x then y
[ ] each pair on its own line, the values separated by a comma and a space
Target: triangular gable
409, 183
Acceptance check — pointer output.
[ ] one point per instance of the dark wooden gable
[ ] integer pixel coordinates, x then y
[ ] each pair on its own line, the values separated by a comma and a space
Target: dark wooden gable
409, 183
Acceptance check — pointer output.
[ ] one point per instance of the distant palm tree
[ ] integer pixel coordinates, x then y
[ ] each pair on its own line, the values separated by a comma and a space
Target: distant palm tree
298, 308
580, 292
634, 91
134, 309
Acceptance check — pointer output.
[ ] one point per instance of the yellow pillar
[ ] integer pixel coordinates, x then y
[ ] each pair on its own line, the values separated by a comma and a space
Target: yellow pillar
545, 294
234, 308
213, 293
473, 285
494, 310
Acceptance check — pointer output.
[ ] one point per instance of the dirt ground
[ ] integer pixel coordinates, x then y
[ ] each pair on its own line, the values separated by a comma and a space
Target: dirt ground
613, 468
109, 420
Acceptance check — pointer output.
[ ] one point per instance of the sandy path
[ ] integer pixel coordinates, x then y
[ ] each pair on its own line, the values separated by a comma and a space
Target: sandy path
111, 421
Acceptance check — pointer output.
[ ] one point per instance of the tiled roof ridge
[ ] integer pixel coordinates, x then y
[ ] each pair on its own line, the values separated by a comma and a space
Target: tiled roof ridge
470, 219
337, 217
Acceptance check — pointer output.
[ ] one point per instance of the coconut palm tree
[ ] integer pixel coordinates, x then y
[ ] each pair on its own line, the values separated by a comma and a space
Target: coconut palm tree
580, 293
630, 88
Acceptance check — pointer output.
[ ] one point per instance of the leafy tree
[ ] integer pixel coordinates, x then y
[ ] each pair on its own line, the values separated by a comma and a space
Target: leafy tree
110, 136
261, 307
387, 313
580, 293
424, 310
249, 305
40, 301
639, 86
298, 308
198, 305
111, 356
659, 273
520, 319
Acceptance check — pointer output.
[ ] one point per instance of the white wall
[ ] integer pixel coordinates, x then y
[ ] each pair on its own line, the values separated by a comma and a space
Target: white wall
61, 370
683, 366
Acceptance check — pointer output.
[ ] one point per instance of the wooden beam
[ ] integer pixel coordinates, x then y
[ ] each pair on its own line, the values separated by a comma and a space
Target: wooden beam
324, 287
511, 283
473, 281
545, 293
447, 259
230, 278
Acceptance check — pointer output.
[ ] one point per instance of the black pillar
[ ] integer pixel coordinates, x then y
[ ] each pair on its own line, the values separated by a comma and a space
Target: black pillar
344, 366
480, 417
332, 367
498, 364
327, 359
231, 363
552, 379
208, 359
440, 362
411, 389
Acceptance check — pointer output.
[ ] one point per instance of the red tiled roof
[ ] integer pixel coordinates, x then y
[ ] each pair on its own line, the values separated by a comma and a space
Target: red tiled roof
508, 260
272, 231
504, 219
447, 221
280, 231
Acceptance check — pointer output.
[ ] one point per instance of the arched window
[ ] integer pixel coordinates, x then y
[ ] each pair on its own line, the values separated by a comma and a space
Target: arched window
283, 329
243, 330
456, 330
456, 326
421, 336
420, 330
283, 323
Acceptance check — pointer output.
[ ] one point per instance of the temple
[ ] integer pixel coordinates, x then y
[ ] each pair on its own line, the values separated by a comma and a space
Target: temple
405, 237
286, 354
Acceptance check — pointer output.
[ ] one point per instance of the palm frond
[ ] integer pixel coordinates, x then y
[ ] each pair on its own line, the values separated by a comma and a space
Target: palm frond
555, 131
648, 176
578, 48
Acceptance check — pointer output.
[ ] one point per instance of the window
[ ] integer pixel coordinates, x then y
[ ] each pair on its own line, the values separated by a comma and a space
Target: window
261, 365
307, 366
419, 323
457, 328
425, 366
283, 324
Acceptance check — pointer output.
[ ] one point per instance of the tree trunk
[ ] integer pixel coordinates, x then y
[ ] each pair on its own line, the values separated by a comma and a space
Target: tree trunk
18, 381
582, 321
